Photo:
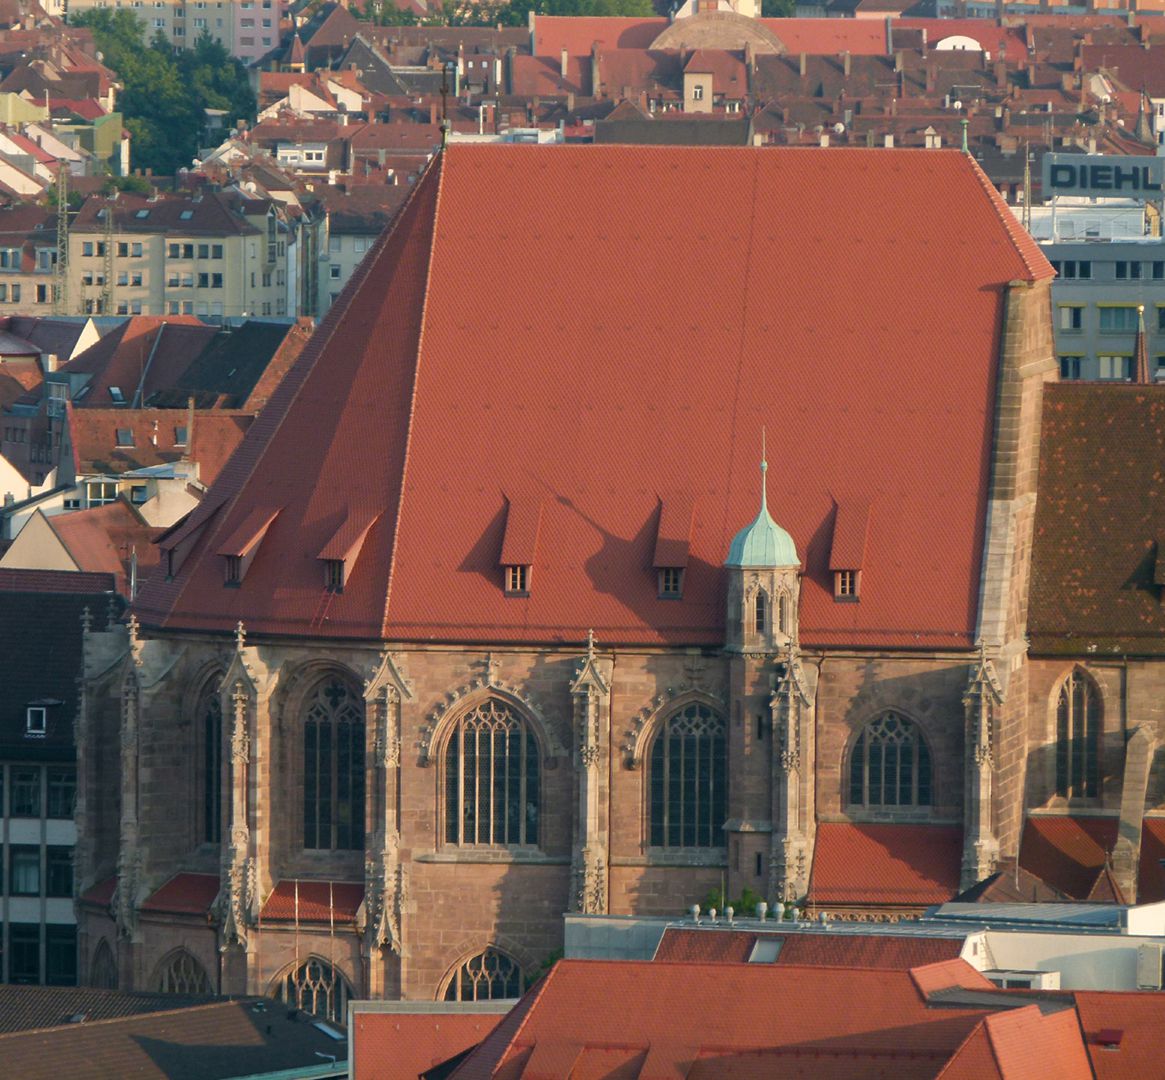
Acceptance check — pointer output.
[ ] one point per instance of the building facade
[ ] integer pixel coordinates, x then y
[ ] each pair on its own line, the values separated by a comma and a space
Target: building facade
589, 689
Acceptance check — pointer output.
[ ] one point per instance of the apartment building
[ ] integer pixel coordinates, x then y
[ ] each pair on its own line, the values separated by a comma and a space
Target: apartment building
41, 619
214, 255
28, 255
247, 29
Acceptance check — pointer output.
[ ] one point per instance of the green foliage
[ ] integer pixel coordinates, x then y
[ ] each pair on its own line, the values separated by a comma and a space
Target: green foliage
386, 13
544, 968
137, 185
744, 906
165, 93
778, 9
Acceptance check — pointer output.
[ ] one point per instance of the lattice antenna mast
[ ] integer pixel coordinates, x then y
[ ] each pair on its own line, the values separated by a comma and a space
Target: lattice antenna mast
60, 270
107, 284
1027, 187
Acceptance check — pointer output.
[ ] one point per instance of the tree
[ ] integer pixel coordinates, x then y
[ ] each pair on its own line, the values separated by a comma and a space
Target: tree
165, 96
778, 9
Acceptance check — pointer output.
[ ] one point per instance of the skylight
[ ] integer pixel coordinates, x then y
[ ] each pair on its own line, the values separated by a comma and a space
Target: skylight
142, 214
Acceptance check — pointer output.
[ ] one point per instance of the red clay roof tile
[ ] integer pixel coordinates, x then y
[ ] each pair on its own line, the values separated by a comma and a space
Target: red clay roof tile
885, 864
184, 894
388, 1045
595, 370
1067, 852
313, 901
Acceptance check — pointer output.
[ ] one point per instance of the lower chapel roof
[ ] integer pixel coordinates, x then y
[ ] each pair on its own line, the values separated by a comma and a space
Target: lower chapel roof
610, 361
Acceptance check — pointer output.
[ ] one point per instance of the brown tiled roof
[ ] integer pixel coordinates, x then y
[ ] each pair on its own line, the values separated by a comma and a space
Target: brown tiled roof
184, 894
314, 901
372, 385
403, 1044
1137, 1017
104, 539
1068, 853
885, 865
1100, 522
200, 1042
706, 946
26, 1008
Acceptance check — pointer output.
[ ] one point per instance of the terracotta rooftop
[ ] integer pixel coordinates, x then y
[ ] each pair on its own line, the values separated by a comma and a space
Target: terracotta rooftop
591, 1018
184, 894
27, 1008
103, 539
1100, 522
1122, 1032
386, 1045
596, 368
1067, 852
886, 865
313, 901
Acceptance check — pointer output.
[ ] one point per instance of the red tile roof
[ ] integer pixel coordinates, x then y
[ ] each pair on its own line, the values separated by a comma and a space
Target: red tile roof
55, 581
1067, 852
1140, 1019
101, 893
318, 901
593, 370
1151, 872
890, 865
1020, 1043
706, 946
733, 1020
184, 894
103, 539
392, 1045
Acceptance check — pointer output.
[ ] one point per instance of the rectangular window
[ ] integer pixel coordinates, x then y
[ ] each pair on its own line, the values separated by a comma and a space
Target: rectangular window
59, 872
123, 277
24, 870
671, 583
334, 575
204, 281
61, 955
335, 271
216, 251
34, 720
216, 281
1115, 367
697, 93
845, 584
1071, 317
234, 569
1158, 270
1068, 269
25, 791
101, 493
204, 251
87, 247
1118, 320
1084, 266
1070, 367
137, 250
517, 580
1161, 317
62, 792
139, 494
24, 953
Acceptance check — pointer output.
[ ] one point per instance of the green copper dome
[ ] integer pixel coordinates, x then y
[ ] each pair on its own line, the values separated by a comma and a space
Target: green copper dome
763, 543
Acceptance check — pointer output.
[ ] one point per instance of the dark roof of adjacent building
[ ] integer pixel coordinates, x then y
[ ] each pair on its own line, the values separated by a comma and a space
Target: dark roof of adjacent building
714, 131
28, 1008
1098, 553
200, 1042
40, 641
213, 213
405, 364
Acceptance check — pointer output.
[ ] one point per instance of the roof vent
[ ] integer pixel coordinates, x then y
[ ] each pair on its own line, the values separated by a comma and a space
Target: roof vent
1110, 1038
77, 1018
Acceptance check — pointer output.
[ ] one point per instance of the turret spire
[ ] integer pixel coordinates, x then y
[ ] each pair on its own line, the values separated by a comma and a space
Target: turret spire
764, 468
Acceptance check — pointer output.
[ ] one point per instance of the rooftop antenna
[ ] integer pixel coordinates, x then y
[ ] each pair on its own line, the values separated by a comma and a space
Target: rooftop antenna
1027, 187
444, 105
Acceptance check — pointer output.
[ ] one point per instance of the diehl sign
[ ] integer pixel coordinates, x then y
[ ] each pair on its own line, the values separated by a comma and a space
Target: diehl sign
1103, 174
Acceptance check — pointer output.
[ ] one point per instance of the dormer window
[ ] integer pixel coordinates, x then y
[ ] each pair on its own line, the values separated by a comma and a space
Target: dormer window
334, 575
35, 720
846, 584
234, 570
125, 437
671, 583
517, 580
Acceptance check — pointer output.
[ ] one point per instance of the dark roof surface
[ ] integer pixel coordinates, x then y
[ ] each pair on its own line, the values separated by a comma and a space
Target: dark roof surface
26, 1008
599, 367
1100, 522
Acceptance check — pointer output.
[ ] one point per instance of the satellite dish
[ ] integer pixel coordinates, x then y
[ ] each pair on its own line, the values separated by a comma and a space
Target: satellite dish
838, 129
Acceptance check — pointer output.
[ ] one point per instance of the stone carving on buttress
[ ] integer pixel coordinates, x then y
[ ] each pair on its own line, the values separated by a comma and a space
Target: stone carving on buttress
385, 878
129, 855
591, 697
981, 701
237, 904
790, 851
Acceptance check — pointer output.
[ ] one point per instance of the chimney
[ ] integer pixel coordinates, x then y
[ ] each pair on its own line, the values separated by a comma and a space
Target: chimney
804, 65
596, 73
433, 117
845, 64
49, 362
510, 68
888, 142
565, 61
570, 102
931, 77
899, 61
1001, 72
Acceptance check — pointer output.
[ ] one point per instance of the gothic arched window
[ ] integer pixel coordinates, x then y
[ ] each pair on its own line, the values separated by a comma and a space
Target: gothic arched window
783, 613
761, 611
890, 764
182, 974
689, 779
1078, 738
317, 987
333, 767
103, 969
492, 779
210, 724
488, 976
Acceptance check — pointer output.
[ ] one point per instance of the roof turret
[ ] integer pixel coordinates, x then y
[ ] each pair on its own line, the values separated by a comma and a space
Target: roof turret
763, 543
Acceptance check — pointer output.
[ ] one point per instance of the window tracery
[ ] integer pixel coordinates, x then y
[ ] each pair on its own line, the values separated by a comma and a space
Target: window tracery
688, 782
890, 764
488, 976
492, 779
333, 767
182, 974
1078, 722
103, 970
315, 986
